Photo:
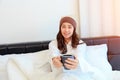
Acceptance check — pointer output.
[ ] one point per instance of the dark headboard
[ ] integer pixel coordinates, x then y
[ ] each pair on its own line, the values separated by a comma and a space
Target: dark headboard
113, 43
25, 47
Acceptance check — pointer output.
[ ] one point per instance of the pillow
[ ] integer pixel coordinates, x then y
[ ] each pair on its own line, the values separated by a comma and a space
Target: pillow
3, 63
96, 55
32, 63
14, 72
40, 61
24, 63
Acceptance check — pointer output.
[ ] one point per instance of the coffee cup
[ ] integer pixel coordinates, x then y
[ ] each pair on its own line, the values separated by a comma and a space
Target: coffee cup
65, 57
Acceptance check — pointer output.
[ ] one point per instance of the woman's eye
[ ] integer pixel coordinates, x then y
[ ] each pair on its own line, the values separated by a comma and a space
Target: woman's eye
69, 26
63, 26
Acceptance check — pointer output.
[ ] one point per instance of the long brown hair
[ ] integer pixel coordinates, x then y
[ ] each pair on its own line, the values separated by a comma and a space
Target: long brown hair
60, 39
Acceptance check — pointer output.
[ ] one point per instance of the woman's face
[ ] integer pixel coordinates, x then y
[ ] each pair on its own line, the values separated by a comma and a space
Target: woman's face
67, 30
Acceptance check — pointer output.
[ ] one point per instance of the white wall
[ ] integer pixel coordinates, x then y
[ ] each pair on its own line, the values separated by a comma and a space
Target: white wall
33, 20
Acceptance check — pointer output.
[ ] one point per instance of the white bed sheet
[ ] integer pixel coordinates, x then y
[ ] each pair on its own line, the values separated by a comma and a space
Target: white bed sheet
49, 76
114, 75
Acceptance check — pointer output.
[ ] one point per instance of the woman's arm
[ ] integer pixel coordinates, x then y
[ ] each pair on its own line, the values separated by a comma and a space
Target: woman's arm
54, 55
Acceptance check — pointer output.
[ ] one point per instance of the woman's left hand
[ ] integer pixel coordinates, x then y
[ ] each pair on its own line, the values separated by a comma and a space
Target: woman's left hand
71, 63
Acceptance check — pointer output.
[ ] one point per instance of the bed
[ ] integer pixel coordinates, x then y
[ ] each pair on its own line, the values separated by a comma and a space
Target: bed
27, 52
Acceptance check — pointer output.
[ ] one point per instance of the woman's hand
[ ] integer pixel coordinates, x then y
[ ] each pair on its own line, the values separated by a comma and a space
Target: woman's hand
71, 63
57, 62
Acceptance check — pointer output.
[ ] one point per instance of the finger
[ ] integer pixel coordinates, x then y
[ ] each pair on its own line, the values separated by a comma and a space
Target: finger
71, 60
70, 66
74, 62
56, 61
54, 58
59, 57
76, 56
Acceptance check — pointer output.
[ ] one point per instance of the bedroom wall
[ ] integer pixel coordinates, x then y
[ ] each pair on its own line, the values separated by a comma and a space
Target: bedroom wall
33, 20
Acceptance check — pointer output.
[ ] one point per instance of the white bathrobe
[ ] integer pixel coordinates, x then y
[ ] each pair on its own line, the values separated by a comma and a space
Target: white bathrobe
84, 71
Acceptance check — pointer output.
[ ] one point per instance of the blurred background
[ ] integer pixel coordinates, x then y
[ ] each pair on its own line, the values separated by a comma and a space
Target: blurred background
38, 20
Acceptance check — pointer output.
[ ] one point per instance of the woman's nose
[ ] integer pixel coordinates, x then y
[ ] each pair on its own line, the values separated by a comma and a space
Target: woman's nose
66, 29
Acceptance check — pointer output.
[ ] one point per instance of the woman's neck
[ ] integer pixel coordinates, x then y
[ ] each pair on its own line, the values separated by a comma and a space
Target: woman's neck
67, 40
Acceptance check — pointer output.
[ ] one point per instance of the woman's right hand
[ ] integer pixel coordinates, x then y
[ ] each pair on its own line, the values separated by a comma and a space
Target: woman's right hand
57, 62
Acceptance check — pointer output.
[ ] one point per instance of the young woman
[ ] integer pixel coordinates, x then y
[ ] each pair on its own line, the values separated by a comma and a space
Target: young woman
68, 42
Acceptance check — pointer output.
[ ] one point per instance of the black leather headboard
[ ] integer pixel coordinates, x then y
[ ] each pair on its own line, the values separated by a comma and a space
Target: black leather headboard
26, 47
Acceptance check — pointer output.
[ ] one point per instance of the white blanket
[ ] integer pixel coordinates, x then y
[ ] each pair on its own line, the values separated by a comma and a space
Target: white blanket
114, 75
15, 73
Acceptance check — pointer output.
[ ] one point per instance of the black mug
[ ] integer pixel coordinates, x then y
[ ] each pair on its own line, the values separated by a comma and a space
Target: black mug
64, 57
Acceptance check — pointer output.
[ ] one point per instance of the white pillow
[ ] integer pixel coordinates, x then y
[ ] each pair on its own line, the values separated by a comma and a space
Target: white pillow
24, 63
3, 63
20, 58
14, 72
96, 55
32, 63
40, 61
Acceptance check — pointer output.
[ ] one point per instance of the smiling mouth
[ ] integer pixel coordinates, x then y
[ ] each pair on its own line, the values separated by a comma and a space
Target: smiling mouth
66, 33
